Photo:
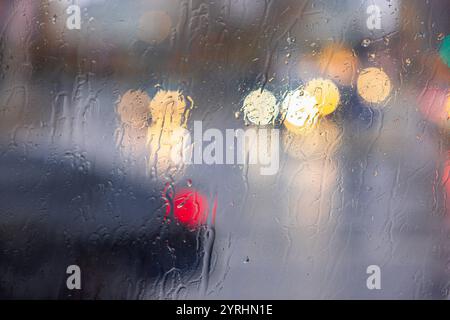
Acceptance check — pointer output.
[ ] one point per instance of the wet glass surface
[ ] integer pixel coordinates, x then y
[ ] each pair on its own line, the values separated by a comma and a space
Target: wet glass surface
346, 168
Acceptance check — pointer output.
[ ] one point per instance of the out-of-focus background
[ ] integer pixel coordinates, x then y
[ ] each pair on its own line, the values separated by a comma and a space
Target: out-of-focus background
86, 117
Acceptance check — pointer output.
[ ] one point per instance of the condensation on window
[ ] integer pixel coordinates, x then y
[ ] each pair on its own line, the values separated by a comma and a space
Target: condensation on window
227, 149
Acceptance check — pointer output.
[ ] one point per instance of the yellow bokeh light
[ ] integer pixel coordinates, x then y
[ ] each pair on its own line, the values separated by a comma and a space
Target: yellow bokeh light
133, 108
326, 94
169, 111
374, 85
338, 63
133, 113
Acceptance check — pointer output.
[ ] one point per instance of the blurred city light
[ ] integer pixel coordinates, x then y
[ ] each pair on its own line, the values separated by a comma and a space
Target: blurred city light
374, 85
260, 107
326, 94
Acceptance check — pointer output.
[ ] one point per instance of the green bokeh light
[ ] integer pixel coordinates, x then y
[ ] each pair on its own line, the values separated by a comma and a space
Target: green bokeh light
444, 51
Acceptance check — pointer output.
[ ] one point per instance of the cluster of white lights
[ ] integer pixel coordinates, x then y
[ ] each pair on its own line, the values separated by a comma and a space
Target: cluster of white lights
302, 107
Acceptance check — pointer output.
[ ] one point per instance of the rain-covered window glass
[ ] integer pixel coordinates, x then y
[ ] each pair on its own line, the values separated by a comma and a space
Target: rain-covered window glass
246, 149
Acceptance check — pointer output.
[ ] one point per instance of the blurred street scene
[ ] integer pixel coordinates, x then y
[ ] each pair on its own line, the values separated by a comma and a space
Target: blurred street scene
92, 93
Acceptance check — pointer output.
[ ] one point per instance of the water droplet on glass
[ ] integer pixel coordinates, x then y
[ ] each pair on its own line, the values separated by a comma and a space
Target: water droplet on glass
365, 43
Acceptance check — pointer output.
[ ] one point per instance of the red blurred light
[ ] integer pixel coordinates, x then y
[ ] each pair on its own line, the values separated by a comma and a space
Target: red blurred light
433, 104
190, 207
